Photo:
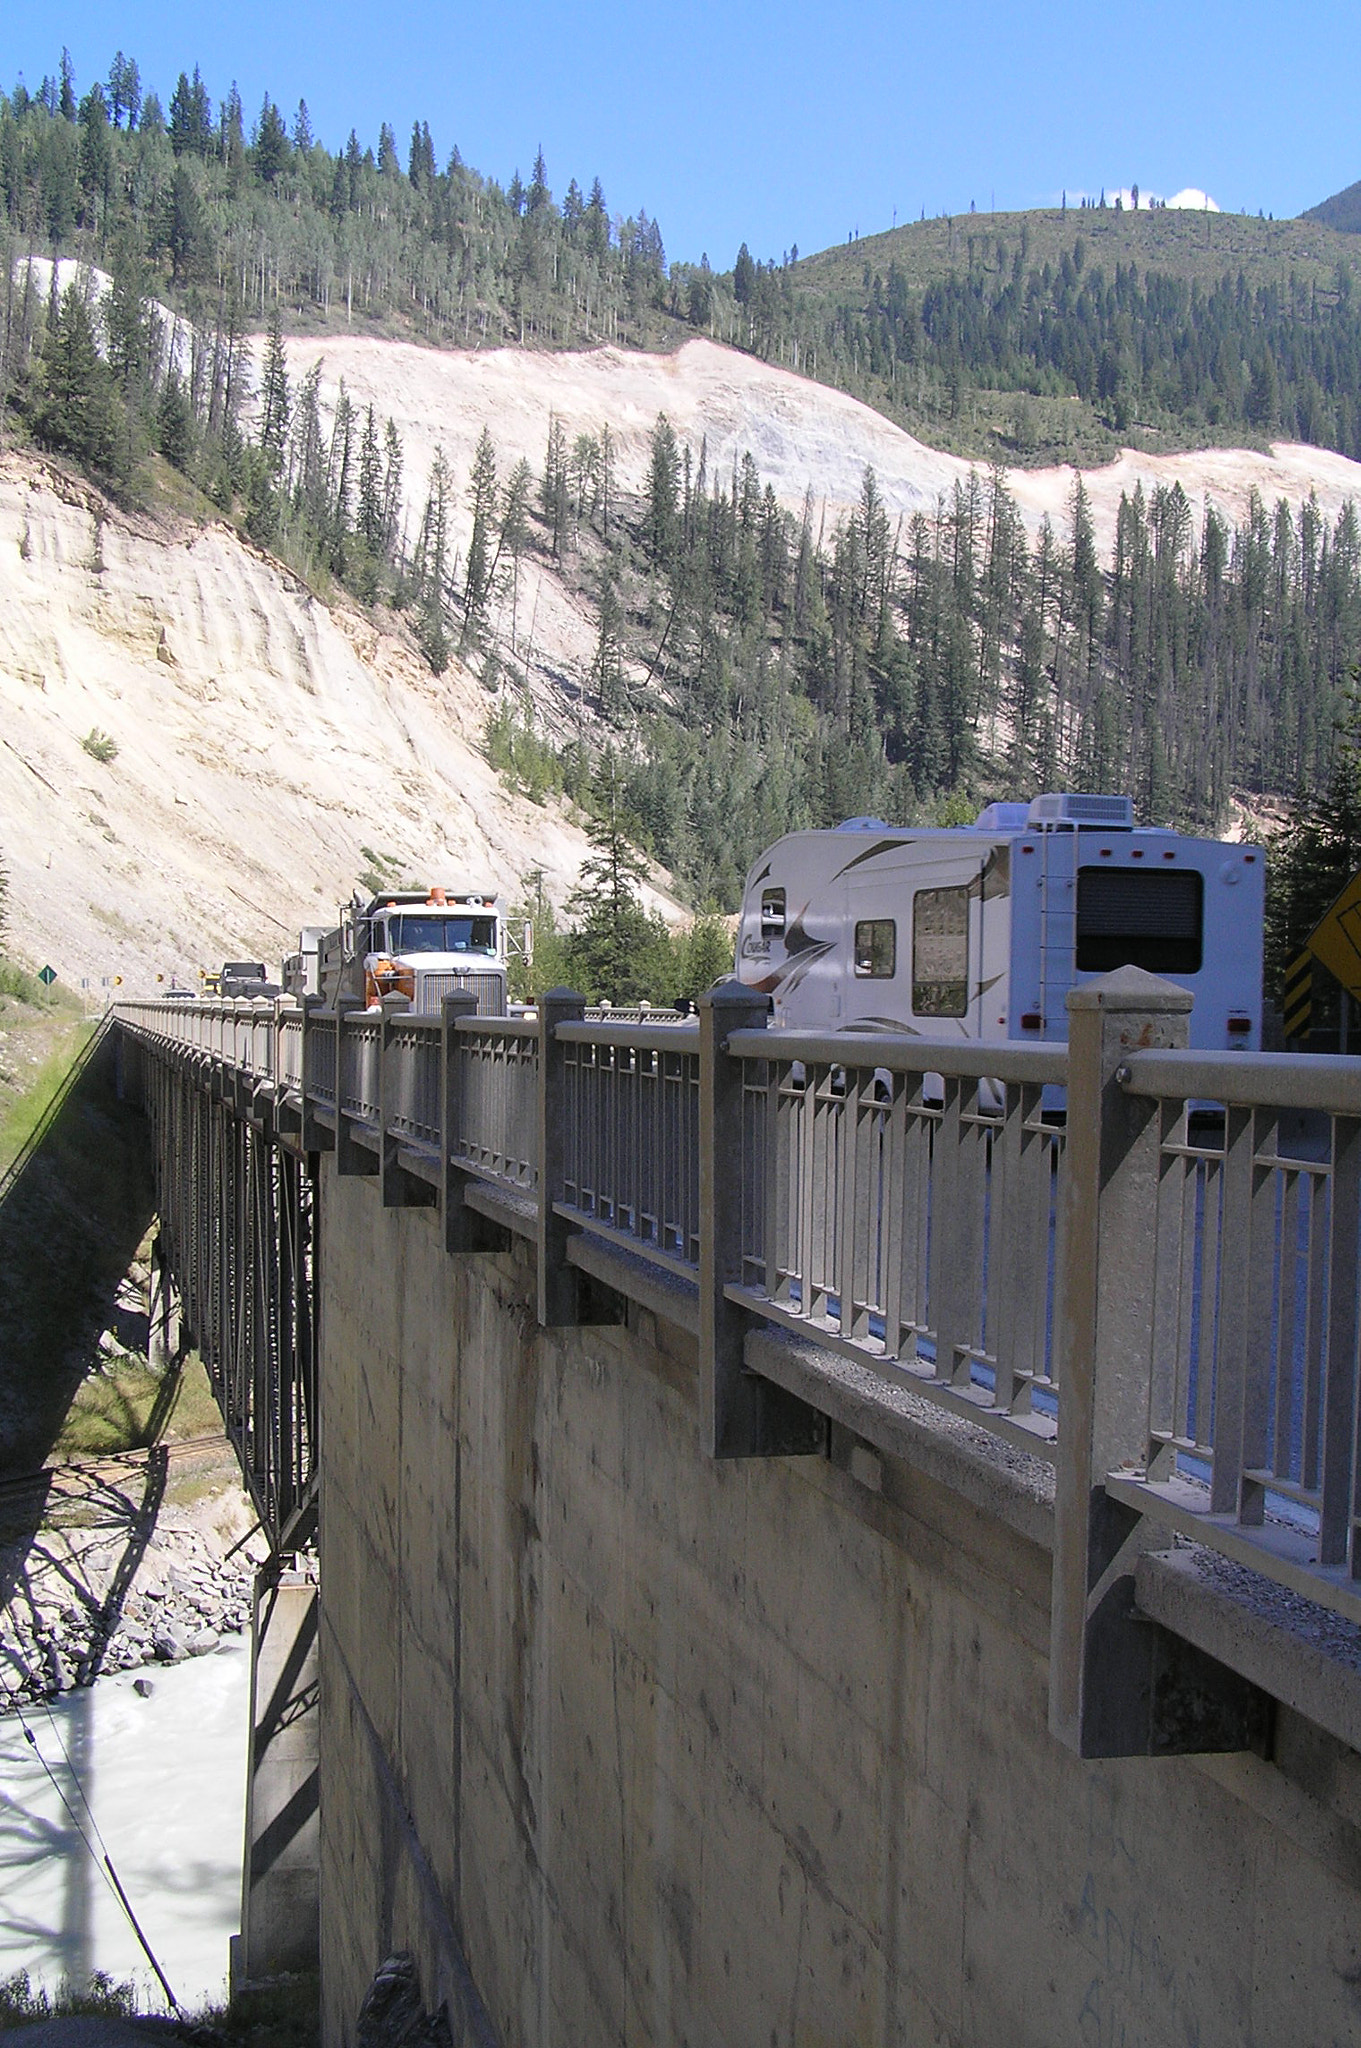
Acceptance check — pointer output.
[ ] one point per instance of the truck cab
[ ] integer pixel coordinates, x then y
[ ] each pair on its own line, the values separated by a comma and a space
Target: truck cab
979, 932
421, 945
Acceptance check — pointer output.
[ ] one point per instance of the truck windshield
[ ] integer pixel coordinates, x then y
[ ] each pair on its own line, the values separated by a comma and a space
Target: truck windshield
442, 935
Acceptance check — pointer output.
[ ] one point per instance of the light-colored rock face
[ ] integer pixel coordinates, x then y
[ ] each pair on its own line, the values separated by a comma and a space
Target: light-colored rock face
263, 743
803, 436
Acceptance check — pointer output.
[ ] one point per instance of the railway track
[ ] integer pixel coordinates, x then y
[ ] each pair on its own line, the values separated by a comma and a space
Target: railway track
74, 1476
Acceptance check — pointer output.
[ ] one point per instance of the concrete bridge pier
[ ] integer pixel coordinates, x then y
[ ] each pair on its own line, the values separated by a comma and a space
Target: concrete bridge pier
279, 1924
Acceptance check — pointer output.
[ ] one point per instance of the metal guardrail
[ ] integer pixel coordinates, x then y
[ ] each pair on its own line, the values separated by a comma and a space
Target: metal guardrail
1170, 1310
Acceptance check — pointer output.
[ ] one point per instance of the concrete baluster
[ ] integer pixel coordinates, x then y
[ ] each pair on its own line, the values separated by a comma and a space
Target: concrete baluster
1119, 1684
350, 1157
460, 1233
559, 1282
396, 1189
741, 1415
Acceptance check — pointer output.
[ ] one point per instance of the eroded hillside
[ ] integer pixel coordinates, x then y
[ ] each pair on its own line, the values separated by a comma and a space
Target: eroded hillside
267, 747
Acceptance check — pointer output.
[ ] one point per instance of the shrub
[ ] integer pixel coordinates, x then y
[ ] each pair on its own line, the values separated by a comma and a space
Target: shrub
101, 746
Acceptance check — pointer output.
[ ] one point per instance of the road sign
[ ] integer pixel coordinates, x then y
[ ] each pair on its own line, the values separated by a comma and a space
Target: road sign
47, 975
1336, 938
1297, 996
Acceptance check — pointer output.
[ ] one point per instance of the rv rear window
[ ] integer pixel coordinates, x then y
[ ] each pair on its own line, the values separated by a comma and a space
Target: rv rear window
876, 948
772, 913
940, 952
1136, 917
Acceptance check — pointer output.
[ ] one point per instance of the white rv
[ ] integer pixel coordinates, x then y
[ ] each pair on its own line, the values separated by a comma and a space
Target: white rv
421, 944
979, 931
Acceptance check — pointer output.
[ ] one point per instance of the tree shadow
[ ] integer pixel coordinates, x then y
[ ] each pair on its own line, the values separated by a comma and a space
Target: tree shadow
74, 1207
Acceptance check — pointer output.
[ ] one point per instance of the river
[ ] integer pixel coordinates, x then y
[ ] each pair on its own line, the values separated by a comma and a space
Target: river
165, 1778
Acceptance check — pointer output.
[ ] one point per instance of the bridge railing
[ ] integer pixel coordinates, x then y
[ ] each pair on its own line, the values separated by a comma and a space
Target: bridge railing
630, 1158
900, 1201
495, 1084
1249, 1259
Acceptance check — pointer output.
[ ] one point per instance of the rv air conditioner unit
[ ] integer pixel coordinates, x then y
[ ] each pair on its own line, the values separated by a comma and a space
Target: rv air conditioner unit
1116, 813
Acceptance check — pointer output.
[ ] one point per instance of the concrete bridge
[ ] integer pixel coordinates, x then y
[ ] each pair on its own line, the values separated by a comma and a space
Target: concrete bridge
812, 1547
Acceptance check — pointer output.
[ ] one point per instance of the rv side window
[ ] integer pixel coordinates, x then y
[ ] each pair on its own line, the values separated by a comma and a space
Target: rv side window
1139, 917
876, 948
940, 952
772, 913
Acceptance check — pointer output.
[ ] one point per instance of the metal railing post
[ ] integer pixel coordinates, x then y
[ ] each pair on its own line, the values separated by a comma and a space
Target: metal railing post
1118, 1686
350, 1157
559, 1283
392, 1181
741, 1415
459, 1235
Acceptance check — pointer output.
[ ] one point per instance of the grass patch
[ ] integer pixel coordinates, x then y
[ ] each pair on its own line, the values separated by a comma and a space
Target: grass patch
283, 2014
24, 2004
114, 1410
20, 1118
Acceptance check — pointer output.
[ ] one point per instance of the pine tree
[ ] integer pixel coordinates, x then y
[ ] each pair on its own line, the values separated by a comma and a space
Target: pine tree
274, 396
481, 565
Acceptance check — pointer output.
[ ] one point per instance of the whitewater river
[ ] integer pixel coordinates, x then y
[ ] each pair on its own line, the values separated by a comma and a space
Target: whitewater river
165, 1778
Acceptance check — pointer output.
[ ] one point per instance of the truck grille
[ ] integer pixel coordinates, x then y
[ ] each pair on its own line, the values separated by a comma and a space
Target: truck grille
489, 988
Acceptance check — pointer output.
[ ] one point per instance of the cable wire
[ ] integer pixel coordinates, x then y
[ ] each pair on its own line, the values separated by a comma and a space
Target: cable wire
103, 1862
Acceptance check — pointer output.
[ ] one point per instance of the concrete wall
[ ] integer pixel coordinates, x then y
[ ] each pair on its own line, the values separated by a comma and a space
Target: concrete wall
628, 1746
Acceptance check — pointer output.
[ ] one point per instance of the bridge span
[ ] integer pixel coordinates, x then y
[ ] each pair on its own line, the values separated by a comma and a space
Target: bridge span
813, 1547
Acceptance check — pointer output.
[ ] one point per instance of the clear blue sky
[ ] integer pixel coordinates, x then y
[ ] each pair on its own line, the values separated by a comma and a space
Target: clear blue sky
783, 124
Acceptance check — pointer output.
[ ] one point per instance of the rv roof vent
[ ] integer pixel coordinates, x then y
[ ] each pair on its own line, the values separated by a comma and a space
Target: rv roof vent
1002, 818
861, 825
1116, 813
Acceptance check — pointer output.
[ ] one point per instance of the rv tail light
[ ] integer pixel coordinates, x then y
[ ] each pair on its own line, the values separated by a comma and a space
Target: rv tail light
1031, 1020
1239, 1025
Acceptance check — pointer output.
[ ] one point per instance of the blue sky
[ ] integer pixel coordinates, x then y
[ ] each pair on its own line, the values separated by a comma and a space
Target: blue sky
789, 124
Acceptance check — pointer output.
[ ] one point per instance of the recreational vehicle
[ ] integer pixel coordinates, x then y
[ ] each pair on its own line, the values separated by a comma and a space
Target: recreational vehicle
980, 931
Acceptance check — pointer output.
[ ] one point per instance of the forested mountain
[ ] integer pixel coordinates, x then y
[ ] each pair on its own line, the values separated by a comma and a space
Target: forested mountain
751, 671
1342, 211
1029, 337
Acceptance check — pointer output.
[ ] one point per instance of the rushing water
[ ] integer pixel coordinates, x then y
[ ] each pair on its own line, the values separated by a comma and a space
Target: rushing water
165, 1778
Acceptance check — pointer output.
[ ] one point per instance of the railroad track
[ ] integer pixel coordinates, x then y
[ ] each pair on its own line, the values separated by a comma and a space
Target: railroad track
74, 1475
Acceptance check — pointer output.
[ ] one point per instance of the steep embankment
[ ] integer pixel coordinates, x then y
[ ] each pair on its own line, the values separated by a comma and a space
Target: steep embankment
267, 747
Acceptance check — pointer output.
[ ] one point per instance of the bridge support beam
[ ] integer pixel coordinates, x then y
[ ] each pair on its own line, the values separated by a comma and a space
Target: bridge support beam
279, 1909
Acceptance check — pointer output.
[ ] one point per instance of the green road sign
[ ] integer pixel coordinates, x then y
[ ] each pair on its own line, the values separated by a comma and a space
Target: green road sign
47, 975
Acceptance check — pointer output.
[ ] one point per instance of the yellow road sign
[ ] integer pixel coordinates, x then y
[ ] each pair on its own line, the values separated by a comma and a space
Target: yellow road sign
1297, 996
1336, 938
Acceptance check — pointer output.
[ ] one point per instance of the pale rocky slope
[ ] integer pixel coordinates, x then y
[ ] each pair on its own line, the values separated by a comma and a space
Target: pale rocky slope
263, 741
804, 436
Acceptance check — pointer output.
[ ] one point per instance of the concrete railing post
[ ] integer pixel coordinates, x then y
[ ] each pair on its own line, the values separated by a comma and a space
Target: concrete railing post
393, 1181
459, 1234
315, 1136
1118, 1686
741, 1415
559, 1282
350, 1157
